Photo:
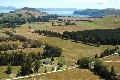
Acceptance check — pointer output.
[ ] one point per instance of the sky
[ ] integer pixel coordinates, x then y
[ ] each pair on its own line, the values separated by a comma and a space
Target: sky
79, 4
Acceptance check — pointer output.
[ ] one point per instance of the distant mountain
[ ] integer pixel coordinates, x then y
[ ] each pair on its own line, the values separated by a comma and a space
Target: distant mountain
8, 8
99, 13
39, 9
57, 9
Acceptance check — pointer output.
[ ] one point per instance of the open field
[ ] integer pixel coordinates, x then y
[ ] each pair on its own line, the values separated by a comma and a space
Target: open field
3, 35
108, 22
15, 70
73, 74
26, 50
115, 61
71, 50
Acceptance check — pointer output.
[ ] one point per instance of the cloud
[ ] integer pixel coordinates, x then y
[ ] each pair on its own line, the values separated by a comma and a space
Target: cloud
97, 1
117, 1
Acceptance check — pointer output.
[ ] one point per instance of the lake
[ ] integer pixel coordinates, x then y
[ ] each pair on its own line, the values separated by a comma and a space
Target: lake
63, 13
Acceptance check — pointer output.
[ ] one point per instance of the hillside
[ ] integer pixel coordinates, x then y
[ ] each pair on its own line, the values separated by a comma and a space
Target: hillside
98, 13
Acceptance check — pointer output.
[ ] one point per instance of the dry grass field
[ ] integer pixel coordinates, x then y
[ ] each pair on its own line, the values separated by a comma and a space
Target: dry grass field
71, 50
27, 50
114, 63
73, 74
15, 70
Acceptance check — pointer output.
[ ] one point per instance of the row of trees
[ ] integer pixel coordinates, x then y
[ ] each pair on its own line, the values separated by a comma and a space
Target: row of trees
98, 68
14, 37
42, 18
48, 33
96, 37
108, 52
5, 47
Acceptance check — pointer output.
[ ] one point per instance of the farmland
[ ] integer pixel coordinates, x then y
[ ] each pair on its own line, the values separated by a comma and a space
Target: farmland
68, 51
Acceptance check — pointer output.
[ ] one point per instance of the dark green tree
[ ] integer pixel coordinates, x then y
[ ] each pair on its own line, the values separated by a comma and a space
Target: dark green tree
9, 69
37, 66
84, 62
26, 67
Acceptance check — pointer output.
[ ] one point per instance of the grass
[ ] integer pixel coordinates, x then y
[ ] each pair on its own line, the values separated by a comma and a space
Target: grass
73, 74
115, 64
71, 50
26, 50
15, 69
109, 22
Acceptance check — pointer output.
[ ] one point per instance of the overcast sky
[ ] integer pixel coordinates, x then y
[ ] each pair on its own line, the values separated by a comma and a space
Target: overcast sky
80, 4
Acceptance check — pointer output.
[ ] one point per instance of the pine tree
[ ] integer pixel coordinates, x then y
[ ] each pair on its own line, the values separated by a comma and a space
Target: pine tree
113, 72
37, 66
26, 67
96, 56
9, 69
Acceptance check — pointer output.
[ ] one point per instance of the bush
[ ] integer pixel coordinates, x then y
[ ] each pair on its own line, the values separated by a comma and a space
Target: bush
36, 44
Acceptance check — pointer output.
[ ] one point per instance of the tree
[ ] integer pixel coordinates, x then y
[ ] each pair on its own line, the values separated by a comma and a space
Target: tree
84, 62
96, 56
26, 67
45, 70
98, 44
36, 44
37, 66
53, 68
9, 69
52, 59
51, 51
113, 72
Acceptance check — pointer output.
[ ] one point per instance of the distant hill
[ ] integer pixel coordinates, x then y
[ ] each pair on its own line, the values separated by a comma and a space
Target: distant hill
98, 13
57, 9
28, 13
40, 9
8, 8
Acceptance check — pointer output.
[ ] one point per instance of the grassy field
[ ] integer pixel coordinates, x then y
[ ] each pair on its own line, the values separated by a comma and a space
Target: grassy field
115, 64
15, 70
26, 50
71, 51
73, 74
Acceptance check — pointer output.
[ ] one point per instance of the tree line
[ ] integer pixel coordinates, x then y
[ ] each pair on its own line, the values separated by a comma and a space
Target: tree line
24, 40
95, 37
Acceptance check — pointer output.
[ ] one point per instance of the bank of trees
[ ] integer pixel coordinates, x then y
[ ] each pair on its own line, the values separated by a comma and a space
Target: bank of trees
12, 22
17, 58
95, 37
48, 33
5, 47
